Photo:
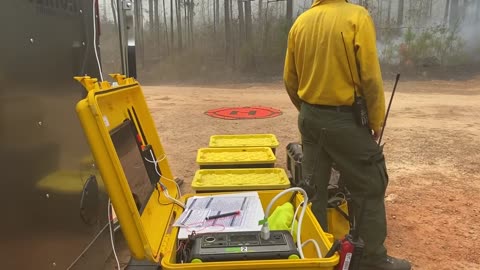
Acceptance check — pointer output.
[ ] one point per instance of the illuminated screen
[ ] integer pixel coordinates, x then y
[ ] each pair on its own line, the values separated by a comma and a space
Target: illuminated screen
128, 151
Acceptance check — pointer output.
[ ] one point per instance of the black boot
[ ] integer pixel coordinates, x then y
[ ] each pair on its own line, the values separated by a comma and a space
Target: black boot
387, 263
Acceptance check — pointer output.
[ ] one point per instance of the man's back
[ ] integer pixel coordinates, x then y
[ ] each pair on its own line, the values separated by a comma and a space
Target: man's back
318, 81
316, 66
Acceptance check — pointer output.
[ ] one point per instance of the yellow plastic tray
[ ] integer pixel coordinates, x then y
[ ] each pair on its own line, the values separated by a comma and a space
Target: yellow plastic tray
244, 140
149, 234
209, 158
240, 179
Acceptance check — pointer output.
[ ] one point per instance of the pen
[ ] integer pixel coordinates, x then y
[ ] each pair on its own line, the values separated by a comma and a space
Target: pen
223, 215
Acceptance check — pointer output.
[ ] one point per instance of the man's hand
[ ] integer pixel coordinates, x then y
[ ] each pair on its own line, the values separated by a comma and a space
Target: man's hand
376, 134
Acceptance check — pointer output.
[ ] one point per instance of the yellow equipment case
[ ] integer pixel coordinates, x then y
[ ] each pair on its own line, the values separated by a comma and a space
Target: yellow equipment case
144, 213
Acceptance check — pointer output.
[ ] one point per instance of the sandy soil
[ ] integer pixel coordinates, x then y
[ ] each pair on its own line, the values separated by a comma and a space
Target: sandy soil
432, 149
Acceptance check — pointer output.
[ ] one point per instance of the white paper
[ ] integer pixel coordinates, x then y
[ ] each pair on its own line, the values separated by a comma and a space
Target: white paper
200, 207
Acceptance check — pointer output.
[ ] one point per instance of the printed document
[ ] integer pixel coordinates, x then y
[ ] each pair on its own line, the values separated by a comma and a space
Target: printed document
198, 208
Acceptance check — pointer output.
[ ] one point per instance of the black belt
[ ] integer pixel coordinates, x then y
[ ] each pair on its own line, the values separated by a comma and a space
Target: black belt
343, 108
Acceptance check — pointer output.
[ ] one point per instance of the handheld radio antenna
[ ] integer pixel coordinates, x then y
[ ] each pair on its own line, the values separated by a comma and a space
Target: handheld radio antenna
388, 109
349, 67
359, 105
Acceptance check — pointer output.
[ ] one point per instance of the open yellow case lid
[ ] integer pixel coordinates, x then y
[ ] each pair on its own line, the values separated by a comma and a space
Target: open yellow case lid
119, 127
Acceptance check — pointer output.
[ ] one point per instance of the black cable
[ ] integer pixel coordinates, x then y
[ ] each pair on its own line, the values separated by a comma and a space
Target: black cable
349, 67
139, 126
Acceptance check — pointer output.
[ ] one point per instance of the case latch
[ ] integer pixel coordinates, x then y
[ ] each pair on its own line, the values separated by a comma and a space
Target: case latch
122, 79
92, 83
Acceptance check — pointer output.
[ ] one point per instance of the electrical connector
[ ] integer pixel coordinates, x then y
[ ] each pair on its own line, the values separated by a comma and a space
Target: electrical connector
265, 231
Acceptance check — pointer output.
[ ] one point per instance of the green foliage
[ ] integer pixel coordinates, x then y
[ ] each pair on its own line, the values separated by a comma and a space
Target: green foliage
437, 45
438, 42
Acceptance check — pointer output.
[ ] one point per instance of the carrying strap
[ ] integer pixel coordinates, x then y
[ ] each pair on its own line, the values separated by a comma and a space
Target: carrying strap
335, 203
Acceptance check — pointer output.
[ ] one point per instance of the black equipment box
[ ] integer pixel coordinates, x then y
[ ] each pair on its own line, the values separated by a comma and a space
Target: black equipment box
236, 246
294, 163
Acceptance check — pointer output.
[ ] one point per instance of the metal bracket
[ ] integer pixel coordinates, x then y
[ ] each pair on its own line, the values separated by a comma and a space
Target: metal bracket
126, 30
92, 83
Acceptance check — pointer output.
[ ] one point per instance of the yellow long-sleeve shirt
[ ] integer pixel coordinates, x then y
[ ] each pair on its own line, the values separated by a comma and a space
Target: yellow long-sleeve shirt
316, 68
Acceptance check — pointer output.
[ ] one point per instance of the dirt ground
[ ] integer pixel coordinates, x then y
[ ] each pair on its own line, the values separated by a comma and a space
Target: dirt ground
432, 149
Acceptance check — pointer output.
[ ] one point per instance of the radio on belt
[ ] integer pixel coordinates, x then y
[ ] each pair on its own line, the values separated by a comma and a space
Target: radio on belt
235, 246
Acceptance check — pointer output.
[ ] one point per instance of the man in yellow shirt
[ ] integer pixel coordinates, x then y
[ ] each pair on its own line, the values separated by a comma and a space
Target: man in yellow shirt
329, 44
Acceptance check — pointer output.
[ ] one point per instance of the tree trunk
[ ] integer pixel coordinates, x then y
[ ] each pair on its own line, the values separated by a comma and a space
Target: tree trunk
157, 28
166, 27
250, 63
401, 6
191, 8
260, 15
379, 11
454, 13
206, 17
389, 14
150, 17
171, 25
447, 11
364, 3
104, 5
430, 9
217, 11
260, 9
179, 25
228, 36
248, 21
265, 30
186, 22
214, 18
477, 14
289, 12
232, 36
241, 22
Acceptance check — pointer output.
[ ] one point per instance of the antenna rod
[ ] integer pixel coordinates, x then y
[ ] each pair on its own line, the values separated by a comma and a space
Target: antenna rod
349, 67
388, 109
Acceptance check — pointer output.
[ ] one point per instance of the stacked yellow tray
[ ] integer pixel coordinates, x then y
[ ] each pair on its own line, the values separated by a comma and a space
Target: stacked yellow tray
240, 179
238, 157
244, 140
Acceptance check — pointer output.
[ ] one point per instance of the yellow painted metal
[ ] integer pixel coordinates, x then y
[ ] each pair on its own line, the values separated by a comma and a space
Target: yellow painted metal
104, 108
65, 182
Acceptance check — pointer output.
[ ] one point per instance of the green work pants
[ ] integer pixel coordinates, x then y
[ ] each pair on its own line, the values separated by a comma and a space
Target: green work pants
330, 136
